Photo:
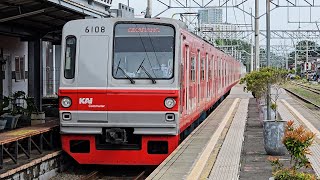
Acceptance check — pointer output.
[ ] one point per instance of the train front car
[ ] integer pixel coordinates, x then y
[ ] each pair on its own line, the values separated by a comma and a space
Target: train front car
119, 91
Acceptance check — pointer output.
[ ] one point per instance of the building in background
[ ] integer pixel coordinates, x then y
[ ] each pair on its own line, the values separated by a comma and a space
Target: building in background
220, 30
210, 16
123, 11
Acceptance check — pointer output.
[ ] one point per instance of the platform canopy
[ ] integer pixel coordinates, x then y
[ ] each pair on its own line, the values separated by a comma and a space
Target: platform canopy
45, 18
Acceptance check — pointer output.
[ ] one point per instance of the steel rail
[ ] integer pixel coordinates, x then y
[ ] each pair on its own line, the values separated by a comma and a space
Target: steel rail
300, 97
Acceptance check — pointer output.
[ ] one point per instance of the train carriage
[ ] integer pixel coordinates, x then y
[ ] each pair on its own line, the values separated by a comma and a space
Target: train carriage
132, 89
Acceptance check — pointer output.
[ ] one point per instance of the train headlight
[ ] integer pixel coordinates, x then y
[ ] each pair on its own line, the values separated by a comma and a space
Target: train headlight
169, 103
66, 102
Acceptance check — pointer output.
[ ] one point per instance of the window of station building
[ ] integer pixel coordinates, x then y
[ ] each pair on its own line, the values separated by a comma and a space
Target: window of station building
193, 69
202, 69
19, 68
70, 57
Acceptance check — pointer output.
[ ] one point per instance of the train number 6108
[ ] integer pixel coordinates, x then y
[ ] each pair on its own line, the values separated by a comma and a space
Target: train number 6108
95, 29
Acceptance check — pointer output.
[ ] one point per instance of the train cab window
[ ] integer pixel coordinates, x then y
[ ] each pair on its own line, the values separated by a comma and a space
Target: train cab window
193, 69
143, 51
202, 69
70, 57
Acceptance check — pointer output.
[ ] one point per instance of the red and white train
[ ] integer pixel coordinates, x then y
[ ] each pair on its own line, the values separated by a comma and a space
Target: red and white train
132, 89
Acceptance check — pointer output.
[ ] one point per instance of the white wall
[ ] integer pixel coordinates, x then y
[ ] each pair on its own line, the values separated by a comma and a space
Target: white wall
14, 47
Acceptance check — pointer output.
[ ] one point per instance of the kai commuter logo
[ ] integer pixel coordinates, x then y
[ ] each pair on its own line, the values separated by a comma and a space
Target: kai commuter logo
85, 100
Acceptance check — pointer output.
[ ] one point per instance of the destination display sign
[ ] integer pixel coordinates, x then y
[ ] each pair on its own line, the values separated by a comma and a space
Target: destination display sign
143, 30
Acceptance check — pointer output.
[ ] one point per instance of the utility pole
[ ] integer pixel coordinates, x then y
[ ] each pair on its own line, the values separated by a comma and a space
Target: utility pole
148, 10
295, 59
268, 57
287, 62
251, 62
307, 55
256, 64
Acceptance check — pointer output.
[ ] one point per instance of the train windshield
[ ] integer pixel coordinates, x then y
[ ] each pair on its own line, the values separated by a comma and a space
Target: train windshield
143, 51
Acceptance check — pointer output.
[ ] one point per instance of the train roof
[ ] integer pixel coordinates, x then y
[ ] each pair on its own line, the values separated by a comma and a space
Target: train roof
174, 22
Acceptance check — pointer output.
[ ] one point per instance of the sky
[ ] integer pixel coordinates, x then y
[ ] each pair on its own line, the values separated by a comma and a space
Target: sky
281, 18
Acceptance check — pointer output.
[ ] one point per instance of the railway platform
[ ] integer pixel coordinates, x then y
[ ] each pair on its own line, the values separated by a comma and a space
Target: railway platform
229, 143
24, 150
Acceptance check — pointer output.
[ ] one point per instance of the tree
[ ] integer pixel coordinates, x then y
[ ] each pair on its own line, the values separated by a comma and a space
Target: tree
301, 49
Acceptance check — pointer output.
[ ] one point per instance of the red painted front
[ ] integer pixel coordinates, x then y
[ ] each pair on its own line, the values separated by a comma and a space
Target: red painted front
119, 157
120, 100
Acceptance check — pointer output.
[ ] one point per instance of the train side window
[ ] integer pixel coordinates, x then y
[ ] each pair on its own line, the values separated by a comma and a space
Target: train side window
70, 57
193, 69
202, 69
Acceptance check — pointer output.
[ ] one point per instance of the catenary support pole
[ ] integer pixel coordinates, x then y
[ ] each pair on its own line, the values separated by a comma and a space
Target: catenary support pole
256, 63
295, 59
268, 56
148, 10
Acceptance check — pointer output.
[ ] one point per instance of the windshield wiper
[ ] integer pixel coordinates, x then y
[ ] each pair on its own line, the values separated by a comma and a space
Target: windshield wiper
126, 75
142, 67
150, 77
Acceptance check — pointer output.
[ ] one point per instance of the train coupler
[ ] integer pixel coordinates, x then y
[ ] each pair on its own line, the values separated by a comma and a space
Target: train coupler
116, 136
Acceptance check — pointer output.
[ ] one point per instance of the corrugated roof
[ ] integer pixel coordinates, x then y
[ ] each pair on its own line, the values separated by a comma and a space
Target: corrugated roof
44, 18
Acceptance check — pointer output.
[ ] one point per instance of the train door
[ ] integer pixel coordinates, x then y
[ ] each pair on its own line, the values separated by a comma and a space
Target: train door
213, 75
207, 77
186, 78
92, 77
220, 75
202, 80
198, 79
225, 73
193, 86
216, 75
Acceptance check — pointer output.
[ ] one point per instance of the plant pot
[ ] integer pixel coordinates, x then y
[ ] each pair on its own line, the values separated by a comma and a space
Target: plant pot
11, 120
38, 118
3, 123
264, 113
273, 132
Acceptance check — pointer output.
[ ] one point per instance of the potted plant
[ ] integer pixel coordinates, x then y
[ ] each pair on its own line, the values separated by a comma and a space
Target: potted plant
297, 141
3, 109
257, 82
16, 109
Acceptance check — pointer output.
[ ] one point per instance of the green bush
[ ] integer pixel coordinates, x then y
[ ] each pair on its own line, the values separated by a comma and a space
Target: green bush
288, 174
297, 141
257, 81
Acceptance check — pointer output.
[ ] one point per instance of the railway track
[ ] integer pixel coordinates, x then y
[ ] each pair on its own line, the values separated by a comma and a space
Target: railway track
94, 175
314, 90
101, 175
302, 98
104, 172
